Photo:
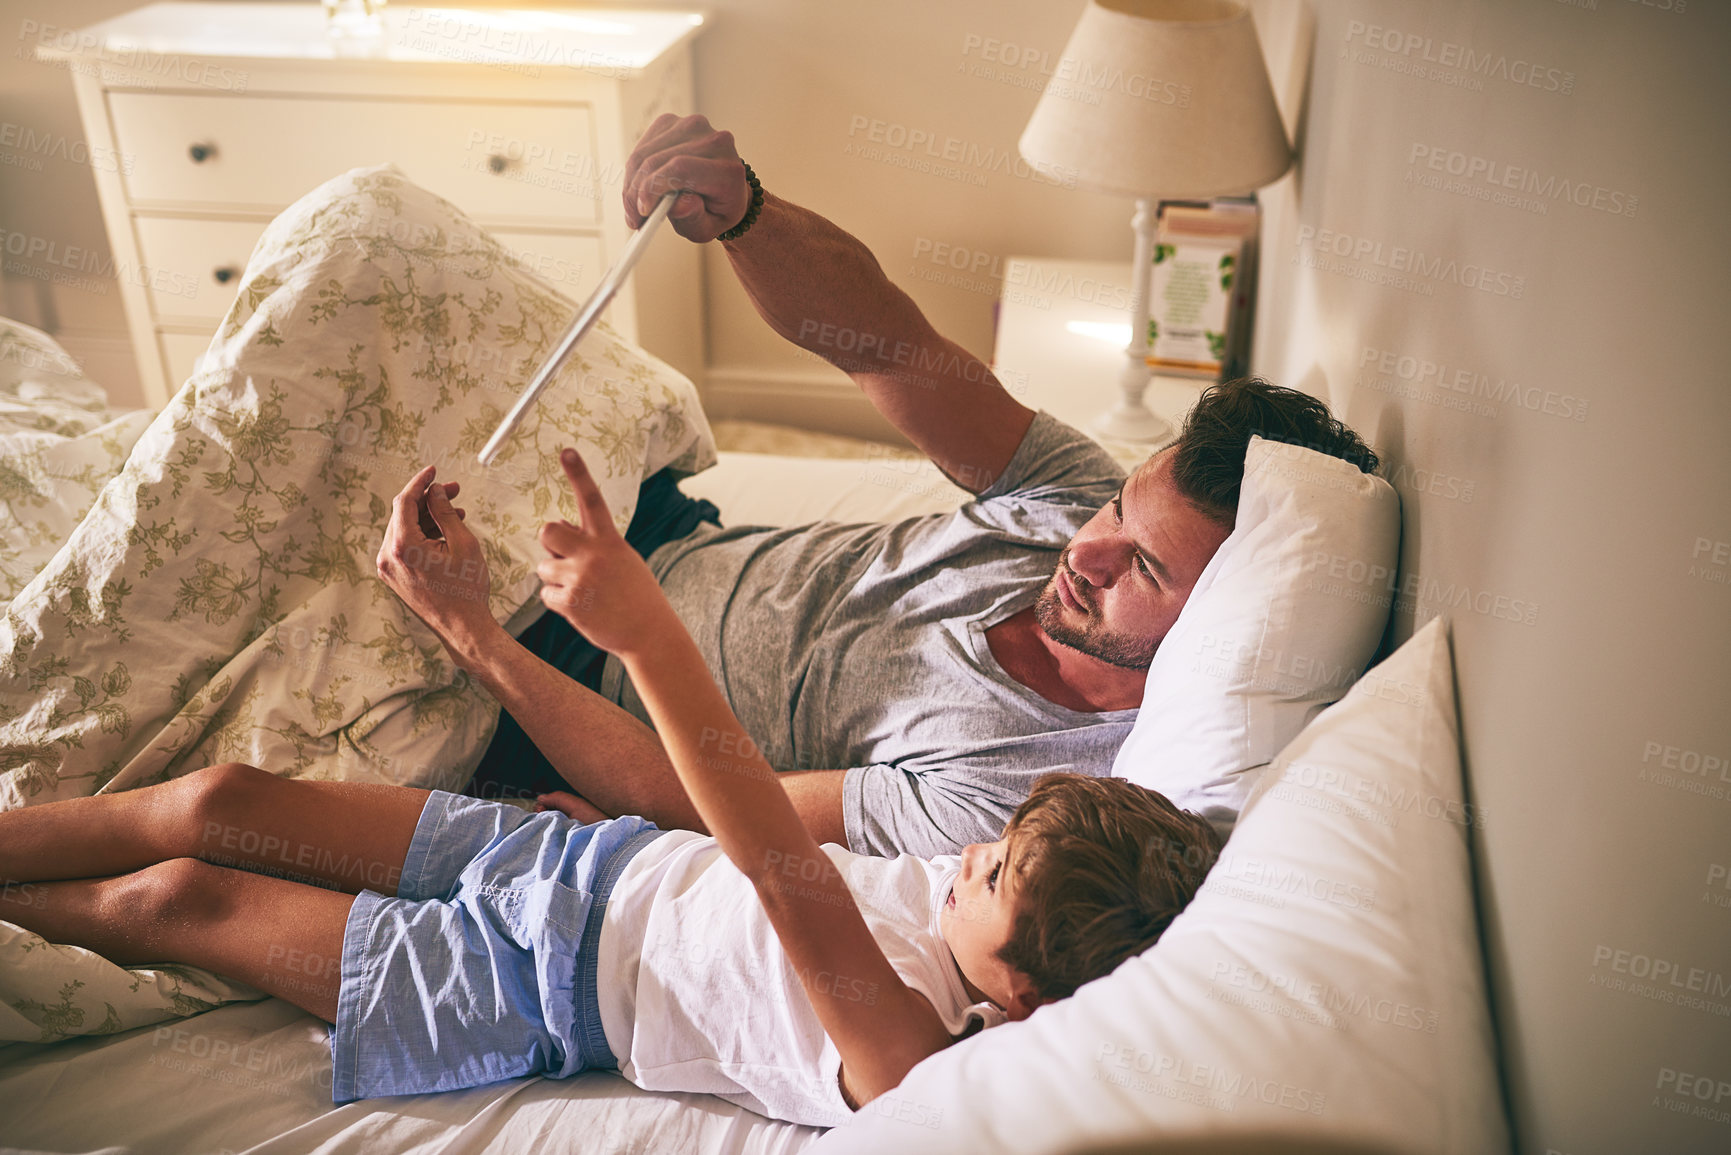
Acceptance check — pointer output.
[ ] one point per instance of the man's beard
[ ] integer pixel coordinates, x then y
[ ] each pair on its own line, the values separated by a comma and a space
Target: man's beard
1091, 638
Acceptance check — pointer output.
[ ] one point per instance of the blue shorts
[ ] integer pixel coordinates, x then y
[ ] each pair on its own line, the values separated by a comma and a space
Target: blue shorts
483, 966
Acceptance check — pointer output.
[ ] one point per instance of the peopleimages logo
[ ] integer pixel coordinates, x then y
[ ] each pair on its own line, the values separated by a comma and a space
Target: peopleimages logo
1207, 1084
1370, 583
1691, 771
477, 38
1462, 60
1491, 179
34, 144
1700, 1096
1468, 383
926, 150
1427, 268
1028, 282
150, 66
1418, 480
1070, 77
83, 269
1333, 1002
1661, 980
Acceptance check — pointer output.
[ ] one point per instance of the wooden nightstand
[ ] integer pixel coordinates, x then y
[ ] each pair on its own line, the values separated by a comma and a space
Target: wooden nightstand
1062, 327
220, 115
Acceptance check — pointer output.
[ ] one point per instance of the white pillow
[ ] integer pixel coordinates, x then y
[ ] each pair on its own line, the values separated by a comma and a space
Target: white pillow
1326, 982
1283, 619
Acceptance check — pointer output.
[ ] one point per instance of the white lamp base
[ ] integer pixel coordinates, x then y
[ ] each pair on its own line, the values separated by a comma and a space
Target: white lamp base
1135, 423
1130, 419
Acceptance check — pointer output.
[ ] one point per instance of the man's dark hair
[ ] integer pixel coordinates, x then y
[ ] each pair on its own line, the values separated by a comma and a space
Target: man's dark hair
1208, 457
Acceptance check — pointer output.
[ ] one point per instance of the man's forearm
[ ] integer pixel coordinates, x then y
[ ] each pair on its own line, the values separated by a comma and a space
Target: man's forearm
821, 288
606, 755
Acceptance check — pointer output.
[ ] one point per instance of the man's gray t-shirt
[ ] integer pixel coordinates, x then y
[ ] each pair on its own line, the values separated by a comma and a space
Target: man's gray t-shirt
863, 647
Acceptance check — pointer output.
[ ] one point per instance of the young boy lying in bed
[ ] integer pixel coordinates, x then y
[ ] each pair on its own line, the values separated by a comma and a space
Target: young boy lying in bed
796, 980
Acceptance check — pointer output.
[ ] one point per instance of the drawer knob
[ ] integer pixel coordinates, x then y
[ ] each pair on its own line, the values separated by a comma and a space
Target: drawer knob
201, 152
497, 163
224, 274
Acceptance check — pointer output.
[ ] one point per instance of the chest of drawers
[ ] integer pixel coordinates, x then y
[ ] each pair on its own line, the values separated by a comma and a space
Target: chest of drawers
220, 115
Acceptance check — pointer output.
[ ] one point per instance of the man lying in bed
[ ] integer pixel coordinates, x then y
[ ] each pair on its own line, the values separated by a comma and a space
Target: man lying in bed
794, 980
913, 679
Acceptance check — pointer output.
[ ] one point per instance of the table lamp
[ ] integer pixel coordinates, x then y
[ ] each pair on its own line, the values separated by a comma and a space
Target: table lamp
1158, 100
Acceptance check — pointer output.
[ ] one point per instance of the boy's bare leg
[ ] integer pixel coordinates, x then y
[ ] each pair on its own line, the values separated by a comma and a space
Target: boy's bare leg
346, 835
285, 938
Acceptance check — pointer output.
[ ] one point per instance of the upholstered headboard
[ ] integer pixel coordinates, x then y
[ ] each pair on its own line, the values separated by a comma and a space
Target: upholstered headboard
1502, 259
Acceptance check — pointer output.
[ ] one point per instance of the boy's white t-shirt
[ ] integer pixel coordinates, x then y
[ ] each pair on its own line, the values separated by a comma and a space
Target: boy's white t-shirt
696, 993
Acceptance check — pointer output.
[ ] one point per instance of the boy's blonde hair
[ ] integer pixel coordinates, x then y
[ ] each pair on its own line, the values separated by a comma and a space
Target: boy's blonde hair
1102, 867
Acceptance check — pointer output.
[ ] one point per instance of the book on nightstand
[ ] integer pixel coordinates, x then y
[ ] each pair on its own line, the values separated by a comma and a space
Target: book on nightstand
1203, 288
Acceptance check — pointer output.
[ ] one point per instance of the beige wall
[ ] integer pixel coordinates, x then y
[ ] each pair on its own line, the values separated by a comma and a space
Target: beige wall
49, 195
796, 80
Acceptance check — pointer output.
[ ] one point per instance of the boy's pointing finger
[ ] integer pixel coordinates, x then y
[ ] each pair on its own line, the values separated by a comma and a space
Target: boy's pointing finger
596, 516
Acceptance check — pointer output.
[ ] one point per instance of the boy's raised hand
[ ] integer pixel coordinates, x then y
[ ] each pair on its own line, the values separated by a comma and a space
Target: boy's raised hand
431, 560
596, 581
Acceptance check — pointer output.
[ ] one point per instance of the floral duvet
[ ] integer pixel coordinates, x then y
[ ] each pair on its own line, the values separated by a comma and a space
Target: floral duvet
199, 586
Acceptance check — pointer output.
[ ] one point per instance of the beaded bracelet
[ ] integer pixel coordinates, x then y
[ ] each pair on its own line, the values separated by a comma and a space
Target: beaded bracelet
750, 216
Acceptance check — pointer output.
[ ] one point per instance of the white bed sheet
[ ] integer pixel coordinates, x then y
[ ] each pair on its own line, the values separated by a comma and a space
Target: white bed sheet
255, 1078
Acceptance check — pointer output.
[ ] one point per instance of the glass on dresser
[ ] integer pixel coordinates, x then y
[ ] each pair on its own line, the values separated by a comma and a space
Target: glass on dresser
354, 19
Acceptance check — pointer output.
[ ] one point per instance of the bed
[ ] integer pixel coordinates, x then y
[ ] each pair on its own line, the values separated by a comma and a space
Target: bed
255, 1076
1262, 1012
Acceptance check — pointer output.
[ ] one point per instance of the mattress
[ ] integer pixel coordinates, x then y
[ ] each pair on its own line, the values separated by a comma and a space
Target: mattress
256, 1077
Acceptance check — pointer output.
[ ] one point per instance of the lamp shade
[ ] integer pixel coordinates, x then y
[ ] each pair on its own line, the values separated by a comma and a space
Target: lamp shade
1160, 98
